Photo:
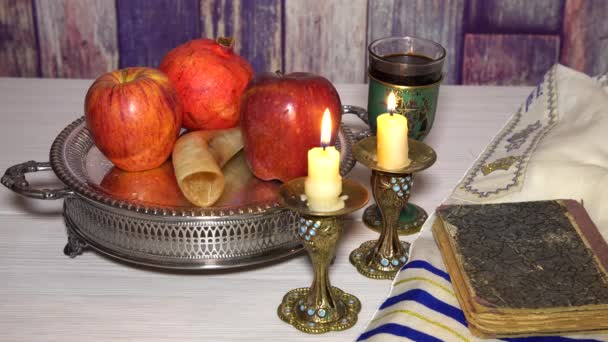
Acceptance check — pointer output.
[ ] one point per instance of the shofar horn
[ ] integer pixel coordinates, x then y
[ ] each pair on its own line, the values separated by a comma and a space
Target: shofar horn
198, 158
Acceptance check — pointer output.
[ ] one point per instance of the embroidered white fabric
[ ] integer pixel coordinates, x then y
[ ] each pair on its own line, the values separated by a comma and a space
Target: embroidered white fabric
501, 168
559, 139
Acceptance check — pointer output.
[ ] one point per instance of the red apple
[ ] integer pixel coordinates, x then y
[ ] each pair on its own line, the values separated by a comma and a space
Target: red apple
210, 79
157, 186
134, 117
281, 120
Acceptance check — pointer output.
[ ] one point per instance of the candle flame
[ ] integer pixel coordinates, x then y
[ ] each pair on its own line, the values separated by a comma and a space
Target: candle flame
391, 102
326, 128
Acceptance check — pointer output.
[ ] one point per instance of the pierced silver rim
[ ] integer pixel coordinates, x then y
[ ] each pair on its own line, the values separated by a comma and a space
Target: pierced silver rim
264, 256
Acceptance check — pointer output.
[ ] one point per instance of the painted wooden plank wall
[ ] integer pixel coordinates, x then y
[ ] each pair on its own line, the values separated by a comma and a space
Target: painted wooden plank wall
585, 35
150, 28
515, 16
18, 51
84, 38
508, 59
256, 26
326, 37
77, 38
438, 20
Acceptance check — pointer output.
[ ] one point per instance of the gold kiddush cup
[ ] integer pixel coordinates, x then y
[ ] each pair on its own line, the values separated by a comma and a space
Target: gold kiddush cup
321, 307
383, 258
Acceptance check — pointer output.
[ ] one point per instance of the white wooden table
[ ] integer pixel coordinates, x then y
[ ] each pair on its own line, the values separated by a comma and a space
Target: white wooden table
46, 296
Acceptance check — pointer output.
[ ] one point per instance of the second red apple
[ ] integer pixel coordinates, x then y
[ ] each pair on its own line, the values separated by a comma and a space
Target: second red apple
281, 120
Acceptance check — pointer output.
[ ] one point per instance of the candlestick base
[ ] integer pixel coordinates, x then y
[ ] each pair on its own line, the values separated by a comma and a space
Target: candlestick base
377, 266
411, 219
318, 319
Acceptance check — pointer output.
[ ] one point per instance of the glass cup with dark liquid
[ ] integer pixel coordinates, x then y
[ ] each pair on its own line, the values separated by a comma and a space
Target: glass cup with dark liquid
412, 69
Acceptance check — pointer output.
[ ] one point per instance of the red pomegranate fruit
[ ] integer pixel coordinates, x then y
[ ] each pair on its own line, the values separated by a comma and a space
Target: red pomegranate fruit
210, 79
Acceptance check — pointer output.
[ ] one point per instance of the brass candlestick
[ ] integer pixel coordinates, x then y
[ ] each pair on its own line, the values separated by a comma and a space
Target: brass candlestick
382, 258
411, 218
322, 307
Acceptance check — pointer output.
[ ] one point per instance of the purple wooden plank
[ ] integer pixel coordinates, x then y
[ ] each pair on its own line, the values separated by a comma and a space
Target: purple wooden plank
77, 38
515, 16
148, 29
256, 26
438, 20
327, 38
497, 59
261, 34
18, 51
585, 35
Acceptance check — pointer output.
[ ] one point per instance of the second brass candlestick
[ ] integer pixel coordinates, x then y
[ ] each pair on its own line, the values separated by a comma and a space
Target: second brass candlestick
382, 258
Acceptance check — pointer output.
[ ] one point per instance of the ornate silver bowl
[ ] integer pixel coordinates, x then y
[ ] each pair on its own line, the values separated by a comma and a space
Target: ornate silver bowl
244, 230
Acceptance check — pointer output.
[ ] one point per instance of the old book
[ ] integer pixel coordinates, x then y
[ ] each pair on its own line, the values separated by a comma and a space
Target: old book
528, 268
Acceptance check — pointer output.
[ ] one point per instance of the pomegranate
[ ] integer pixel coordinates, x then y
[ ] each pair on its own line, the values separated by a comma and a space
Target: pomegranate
210, 79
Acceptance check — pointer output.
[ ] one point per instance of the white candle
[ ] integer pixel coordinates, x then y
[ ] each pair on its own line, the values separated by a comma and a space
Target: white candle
323, 185
392, 146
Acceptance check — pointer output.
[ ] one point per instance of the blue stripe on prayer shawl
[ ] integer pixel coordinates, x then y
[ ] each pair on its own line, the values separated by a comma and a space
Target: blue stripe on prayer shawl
426, 299
425, 265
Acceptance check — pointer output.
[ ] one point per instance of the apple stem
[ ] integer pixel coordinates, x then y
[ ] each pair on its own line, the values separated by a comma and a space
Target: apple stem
227, 42
123, 75
279, 73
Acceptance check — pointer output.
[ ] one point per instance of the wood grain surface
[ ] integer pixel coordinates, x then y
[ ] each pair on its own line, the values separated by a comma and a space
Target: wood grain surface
585, 44
327, 38
18, 50
77, 38
150, 28
256, 26
46, 296
508, 59
72, 38
515, 16
438, 20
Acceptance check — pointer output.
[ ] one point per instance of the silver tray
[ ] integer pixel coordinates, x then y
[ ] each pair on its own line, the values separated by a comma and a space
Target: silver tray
239, 231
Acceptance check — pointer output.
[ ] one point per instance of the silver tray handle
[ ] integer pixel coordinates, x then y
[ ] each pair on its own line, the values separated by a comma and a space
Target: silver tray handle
14, 179
361, 113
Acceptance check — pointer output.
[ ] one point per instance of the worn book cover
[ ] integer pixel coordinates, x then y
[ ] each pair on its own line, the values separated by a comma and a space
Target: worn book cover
525, 268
